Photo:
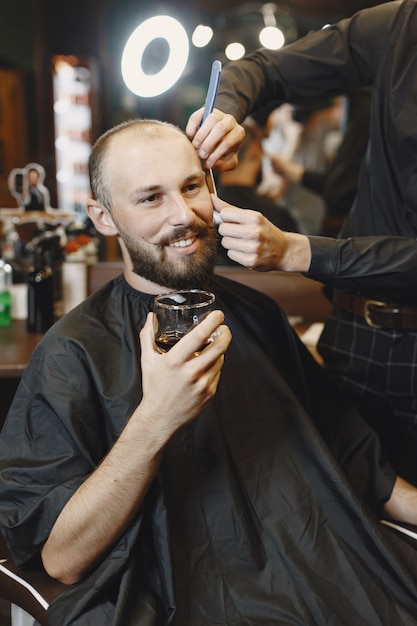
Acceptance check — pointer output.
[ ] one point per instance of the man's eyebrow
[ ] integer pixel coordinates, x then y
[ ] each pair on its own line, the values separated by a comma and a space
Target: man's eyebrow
139, 191
194, 175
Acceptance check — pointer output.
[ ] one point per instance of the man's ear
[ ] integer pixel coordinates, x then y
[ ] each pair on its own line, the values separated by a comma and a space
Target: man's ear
101, 218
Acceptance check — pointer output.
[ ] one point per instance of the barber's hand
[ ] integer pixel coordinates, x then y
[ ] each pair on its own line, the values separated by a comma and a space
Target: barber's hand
217, 141
178, 385
251, 240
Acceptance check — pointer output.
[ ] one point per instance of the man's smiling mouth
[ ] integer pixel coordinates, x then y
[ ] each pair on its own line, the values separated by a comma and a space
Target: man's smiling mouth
183, 243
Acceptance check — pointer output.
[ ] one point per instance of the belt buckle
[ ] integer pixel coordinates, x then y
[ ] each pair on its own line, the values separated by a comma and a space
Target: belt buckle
367, 312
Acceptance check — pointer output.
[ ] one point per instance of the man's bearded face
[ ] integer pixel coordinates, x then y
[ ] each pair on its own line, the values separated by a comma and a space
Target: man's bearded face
152, 263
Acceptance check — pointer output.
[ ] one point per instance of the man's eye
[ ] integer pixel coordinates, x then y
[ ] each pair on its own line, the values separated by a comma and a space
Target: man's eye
192, 186
153, 198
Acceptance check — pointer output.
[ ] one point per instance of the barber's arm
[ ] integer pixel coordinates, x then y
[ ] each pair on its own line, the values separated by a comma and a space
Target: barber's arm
251, 240
337, 59
382, 264
176, 387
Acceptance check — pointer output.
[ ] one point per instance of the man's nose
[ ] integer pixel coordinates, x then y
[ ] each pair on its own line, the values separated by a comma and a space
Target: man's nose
180, 211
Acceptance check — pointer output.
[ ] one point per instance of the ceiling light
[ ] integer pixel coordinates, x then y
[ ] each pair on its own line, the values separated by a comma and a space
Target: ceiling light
202, 36
234, 51
272, 37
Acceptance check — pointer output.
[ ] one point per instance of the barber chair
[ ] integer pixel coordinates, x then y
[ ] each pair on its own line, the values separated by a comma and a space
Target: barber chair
29, 591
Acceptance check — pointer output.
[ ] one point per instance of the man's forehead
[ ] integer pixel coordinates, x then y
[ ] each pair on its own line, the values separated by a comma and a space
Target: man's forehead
148, 147
138, 153
154, 134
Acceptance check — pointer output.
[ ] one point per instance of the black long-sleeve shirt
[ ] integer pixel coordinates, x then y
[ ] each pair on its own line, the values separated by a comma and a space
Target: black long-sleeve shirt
376, 46
378, 266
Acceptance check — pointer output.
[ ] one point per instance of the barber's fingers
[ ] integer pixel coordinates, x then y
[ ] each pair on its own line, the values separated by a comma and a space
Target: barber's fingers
194, 123
242, 252
245, 234
217, 140
246, 224
236, 215
249, 237
242, 224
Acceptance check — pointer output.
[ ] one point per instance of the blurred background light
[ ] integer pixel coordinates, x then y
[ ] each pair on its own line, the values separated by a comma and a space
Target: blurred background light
157, 53
235, 51
271, 37
202, 36
156, 33
252, 25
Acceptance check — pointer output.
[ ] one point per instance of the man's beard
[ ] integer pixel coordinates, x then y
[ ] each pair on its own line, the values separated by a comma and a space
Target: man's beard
185, 272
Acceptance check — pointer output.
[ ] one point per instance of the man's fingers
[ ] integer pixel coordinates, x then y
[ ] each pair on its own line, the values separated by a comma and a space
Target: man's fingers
146, 335
200, 336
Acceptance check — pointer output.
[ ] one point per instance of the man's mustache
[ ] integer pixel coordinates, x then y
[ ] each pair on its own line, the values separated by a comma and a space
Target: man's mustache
182, 232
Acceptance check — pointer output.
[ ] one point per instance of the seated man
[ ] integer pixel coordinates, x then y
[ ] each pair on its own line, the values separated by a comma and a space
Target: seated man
233, 487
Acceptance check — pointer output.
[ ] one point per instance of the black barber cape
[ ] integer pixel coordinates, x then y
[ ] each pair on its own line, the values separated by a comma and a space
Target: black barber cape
263, 509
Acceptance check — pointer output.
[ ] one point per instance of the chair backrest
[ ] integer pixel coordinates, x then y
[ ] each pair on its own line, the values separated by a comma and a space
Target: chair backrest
30, 589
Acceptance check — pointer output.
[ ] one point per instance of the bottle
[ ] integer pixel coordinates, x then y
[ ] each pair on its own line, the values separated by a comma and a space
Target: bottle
5, 293
40, 294
74, 280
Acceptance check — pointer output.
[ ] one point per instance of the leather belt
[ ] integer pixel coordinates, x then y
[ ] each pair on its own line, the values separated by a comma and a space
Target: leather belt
377, 314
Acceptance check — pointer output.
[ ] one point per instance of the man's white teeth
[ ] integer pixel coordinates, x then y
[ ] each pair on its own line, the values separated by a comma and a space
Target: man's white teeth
182, 243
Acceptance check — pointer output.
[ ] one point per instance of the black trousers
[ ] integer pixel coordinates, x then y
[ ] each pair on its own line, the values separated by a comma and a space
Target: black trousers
378, 369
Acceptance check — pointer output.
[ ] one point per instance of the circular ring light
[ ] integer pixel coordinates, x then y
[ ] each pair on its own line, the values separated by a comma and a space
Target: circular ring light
158, 27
